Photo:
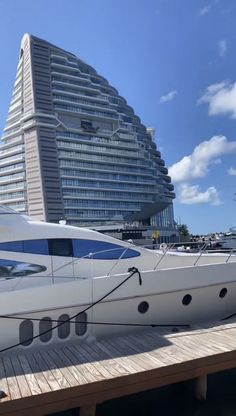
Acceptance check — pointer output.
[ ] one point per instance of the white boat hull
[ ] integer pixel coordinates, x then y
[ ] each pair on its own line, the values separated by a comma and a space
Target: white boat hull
163, 290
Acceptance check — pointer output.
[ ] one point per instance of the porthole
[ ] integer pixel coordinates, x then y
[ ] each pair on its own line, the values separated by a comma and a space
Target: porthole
45, 329
64, 329
26, 332
143, 307
187, 300
223, 292
81, 324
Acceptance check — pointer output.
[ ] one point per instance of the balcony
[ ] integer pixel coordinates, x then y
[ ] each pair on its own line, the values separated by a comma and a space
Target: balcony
72, 77
11, 127
163, 169
11, 160
99, 98
88, 112
13, 116
84, 103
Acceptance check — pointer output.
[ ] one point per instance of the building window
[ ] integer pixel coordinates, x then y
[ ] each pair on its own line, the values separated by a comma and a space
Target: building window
64, 329
45, 325
81, 324
88, 126
26, 332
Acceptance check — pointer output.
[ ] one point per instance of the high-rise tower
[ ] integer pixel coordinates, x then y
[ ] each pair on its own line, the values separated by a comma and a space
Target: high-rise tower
73, 148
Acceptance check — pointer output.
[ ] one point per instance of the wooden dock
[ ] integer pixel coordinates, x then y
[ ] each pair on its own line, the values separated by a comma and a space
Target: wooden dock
70, 376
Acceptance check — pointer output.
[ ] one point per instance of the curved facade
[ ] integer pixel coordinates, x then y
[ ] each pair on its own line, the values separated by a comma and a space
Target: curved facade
73, 148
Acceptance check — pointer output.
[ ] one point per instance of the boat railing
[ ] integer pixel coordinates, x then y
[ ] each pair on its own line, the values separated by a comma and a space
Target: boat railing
164, 249
91, 256
202, 250
159, 251
230, 254
198, 248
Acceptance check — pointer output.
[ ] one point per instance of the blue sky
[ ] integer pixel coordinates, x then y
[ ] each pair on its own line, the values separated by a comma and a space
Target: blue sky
174, 61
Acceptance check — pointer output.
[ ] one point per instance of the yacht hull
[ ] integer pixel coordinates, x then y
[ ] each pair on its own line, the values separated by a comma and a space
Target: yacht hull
173, 297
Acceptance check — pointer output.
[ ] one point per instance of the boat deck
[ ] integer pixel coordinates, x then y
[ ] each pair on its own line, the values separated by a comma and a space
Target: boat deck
40, 382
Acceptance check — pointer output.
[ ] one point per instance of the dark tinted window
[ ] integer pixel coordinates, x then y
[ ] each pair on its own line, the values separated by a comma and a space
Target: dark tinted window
223, 292
81, 324
60, 247
101, 250
143, 307
187, 300
11, 268
35, 246
27, 246
26, 332
64, 329
45, 325
12, 246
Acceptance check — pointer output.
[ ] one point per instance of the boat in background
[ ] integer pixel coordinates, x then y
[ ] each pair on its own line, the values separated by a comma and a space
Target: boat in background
60, 283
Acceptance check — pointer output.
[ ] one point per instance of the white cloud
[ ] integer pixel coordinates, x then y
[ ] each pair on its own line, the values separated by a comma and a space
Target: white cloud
205, 154
168, 97
190, 194
221, 98
232, 171
222, 47
205, 10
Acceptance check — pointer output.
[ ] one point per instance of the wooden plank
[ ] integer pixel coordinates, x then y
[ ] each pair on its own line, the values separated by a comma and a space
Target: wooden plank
197, 344
100, 365
62, 381
80, 375
45, 370
185, 340
226, 339
3, 383
22, 382
41, 379
161, 352
73, 368
31, 379
123, 361
134, 354
113, 367
124, 389
56, 357
11, 379
203, 345
87, 369
133, 366
170, 354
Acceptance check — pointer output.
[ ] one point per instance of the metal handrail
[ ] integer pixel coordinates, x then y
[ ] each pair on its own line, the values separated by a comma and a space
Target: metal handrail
90, 256
169, 247
203, 249
230, 254
117, 262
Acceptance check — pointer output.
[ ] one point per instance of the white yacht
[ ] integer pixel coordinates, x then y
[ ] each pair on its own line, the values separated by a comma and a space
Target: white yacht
60, 283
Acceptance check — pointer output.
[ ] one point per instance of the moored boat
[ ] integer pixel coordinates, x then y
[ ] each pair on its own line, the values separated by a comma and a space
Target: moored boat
60, 283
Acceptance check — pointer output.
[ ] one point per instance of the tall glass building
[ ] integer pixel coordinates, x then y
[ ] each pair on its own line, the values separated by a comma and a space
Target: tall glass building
74, 149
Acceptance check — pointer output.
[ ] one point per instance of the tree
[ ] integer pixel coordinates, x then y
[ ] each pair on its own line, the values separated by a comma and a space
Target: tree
183, 230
